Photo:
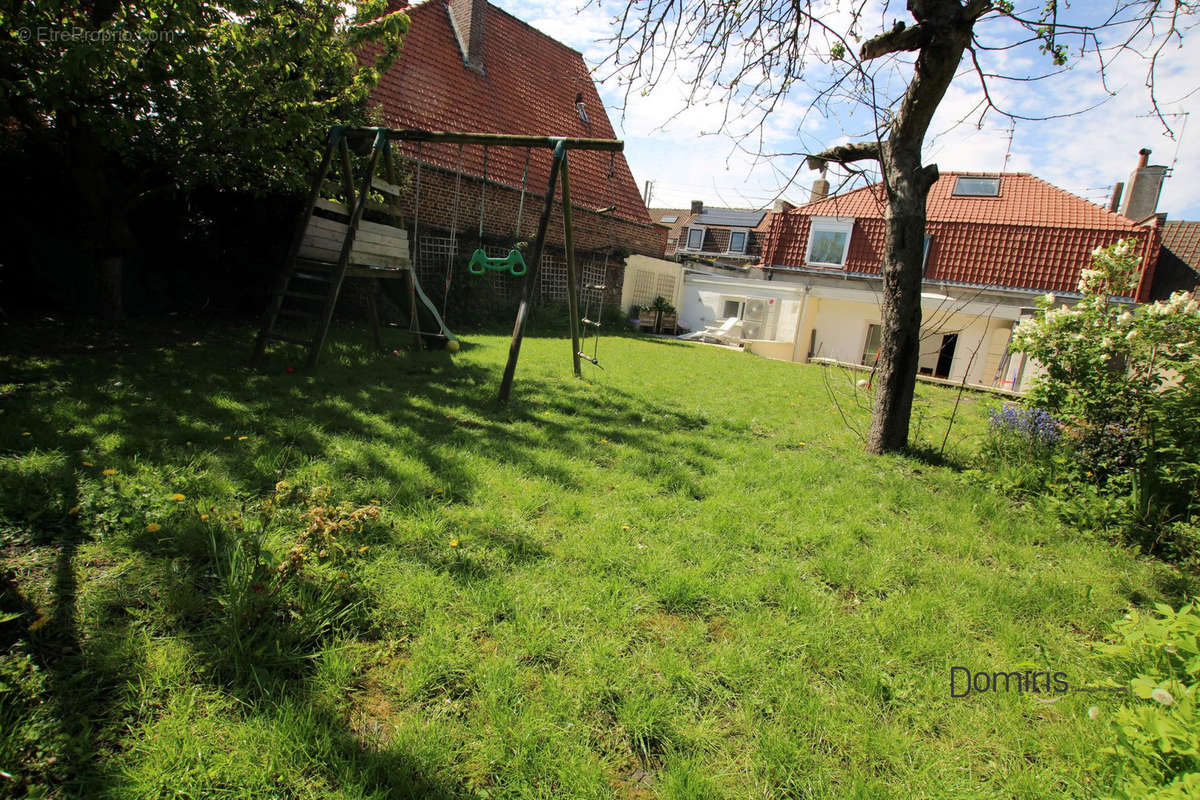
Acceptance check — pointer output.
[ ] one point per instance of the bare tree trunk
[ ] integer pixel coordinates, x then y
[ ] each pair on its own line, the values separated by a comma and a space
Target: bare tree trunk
947, 31
901, 329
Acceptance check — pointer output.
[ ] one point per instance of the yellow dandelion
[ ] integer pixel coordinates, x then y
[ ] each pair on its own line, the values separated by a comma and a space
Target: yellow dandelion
204, 516
342, 574
177, 497
454, 542
227, 438
39, 622
154, 527
624, 527
243, 438
109, 472
88, 464
73, 510
438, 491
363, 549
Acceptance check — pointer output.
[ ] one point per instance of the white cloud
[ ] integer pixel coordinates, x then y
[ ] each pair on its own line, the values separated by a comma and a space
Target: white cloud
1085, 154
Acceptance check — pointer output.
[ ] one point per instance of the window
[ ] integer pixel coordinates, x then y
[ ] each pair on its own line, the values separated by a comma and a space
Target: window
670, 219
695, 238
732, 308
829, 241
872, 345
925, 253
965, 186
737, 241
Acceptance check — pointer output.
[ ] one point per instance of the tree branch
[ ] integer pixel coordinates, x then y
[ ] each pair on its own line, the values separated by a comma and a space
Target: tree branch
899, 38
845, 154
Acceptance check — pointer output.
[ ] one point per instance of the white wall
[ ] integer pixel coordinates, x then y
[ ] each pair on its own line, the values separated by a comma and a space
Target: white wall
837, 316
647, 278
841, 328
705, 297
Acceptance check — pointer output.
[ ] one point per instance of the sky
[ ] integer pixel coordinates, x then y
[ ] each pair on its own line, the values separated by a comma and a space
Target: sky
675, 146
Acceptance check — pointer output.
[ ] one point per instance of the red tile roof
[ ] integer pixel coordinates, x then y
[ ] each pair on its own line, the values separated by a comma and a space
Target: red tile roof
528, 86
1178, 267
677, 231
674, 229
1183, 239
1032, 236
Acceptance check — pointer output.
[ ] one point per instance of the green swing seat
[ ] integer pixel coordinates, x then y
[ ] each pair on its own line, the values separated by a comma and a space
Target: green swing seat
480, 262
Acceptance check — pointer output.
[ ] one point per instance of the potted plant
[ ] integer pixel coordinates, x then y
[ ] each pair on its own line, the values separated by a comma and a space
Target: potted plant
666, 315
646, 317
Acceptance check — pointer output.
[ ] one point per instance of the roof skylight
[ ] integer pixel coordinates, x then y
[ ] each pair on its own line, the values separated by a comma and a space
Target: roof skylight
970, 186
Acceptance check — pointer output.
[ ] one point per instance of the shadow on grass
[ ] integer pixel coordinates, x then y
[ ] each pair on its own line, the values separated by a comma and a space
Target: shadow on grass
159, 402
934, 456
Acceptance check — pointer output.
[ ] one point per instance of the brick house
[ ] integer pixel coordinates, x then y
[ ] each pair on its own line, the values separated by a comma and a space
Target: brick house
470, 66
994, 243
721, 237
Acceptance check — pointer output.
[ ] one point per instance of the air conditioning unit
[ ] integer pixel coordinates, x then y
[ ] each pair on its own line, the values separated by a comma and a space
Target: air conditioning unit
756, 310
753, 330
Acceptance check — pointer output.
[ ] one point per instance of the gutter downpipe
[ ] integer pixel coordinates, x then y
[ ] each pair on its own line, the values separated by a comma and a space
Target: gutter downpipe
800, 323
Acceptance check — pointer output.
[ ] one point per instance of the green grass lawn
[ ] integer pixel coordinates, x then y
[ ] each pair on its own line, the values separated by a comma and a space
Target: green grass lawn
678, 578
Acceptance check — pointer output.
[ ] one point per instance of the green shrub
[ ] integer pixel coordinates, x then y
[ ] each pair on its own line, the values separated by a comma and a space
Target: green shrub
1126, 382
1157, 749
1023, 445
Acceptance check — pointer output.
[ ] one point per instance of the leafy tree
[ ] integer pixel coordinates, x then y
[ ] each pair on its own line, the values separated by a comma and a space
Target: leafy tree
134, 100
753, 55
1123, 375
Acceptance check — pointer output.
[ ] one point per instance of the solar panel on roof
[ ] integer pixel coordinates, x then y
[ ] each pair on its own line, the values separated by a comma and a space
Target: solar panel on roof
730, 218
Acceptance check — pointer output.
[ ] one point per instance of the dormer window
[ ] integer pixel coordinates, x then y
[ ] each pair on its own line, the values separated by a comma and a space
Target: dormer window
829, 241
737, 241
974, 186
695, 238
581, 108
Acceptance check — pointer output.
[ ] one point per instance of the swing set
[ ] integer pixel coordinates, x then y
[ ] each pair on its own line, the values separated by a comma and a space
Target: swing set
333, 242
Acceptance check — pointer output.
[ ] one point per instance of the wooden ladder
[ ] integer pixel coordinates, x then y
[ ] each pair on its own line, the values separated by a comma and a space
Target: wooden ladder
316, 284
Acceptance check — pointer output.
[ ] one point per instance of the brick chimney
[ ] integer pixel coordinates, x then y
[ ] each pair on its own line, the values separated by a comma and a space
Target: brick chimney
697, 206
1143, 188
467, 18
820, 189
1114, 205
782, 206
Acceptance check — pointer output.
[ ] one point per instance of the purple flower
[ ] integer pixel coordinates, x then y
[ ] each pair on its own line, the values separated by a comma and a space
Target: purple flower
1034, 424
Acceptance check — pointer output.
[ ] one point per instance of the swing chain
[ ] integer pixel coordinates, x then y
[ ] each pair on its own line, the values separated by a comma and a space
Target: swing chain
521, 204
452, 249
602, 287
417, 209
514, 262
483, 195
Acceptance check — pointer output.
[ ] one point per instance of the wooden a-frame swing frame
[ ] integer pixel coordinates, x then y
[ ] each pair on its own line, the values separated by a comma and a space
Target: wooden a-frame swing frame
357, 202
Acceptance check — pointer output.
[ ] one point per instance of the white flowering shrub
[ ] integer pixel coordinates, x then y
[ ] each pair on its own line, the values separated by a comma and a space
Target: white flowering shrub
1126, 381
1156, 733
